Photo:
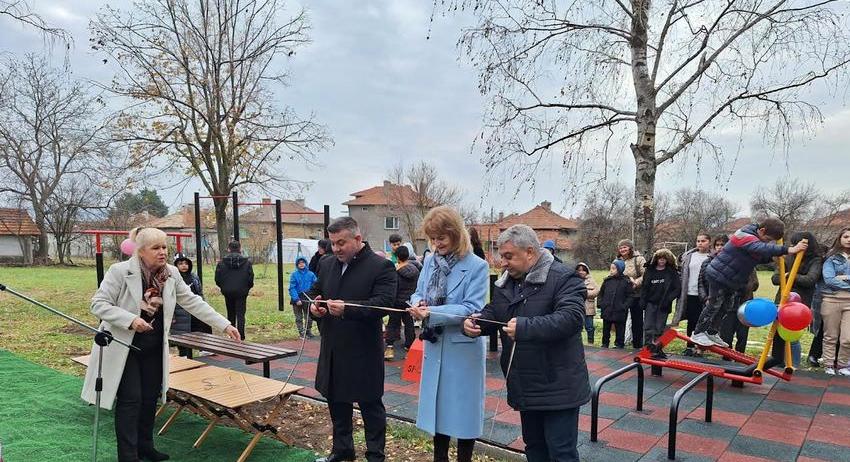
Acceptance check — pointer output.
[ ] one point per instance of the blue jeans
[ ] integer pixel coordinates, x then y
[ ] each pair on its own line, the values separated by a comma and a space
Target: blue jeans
589, 327
550, 435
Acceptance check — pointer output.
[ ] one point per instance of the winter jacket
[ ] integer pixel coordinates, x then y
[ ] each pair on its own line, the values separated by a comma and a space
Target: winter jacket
744, 293
635, 268
182, 321
234, 275
300, 281
737, 259
835, 265
408, 275
808, 276
614, 298
660, 288
548, 370
351, 356
592, 292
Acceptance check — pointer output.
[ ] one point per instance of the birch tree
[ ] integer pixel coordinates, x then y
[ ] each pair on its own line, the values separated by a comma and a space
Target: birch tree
581, 82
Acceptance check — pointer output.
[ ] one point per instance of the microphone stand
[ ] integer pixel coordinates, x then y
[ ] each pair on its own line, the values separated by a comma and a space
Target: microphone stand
101, 337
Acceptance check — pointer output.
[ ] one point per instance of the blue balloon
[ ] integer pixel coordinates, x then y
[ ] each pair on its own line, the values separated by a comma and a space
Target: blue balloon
760, 312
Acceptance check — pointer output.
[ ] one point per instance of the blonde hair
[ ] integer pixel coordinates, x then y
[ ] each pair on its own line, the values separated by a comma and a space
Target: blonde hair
444, 220
146, 237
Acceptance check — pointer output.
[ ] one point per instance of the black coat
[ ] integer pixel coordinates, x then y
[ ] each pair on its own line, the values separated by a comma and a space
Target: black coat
548, 370
660, 288
408, 276
614, 298
234, 275
807, 278
351, 359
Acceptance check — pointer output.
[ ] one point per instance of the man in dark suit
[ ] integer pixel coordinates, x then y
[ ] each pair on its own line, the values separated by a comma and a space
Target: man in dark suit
351, 361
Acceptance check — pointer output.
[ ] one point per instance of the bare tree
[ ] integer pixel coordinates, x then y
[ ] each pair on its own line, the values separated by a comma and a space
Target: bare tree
199, 73
605, 215
693, 211
790, 200
583, 81
20, 11
417, 189
74, 198
827, 212
49, 132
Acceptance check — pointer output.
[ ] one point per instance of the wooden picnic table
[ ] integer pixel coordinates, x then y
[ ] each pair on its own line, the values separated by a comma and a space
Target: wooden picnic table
252, 353
175, 363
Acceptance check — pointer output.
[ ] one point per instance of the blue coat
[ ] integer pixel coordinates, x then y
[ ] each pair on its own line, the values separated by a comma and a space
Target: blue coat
300, 281
451, 392
737, 259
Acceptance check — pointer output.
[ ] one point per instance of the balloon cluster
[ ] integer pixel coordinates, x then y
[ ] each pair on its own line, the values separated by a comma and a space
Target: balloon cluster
794, 317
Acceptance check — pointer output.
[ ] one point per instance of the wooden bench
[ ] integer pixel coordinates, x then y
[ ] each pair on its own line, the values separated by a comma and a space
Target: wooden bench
217, 393
252, 353
175, 364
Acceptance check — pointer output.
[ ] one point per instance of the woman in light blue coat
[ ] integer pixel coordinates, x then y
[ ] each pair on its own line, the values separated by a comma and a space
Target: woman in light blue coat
451, 286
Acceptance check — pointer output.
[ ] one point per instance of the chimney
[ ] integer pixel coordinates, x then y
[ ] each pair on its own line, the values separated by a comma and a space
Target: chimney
387, 183
546, 205
501, 216
300, 201
267, 200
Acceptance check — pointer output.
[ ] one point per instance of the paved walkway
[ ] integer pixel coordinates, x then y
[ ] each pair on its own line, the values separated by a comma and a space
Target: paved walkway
807, 419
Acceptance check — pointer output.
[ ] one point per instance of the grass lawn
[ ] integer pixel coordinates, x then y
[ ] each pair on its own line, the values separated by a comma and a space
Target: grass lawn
46, 339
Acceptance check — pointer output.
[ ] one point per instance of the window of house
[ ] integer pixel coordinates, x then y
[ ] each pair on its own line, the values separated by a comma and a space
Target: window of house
391, 223
365, 209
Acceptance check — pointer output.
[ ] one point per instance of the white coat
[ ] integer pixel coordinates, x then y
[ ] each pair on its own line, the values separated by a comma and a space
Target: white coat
116, 303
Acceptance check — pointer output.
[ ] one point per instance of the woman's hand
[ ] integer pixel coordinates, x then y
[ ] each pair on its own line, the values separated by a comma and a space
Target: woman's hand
233, 333
140, 325
470, 327
510, 329
317, 309
419, 312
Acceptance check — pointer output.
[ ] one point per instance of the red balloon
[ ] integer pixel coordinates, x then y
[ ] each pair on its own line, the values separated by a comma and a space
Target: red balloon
794, 297
795, 316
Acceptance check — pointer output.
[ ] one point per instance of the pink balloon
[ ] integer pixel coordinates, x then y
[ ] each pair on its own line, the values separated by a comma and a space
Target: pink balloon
128, 247
794, 297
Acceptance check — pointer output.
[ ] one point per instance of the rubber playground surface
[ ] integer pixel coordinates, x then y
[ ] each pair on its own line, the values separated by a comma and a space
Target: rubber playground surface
806, 419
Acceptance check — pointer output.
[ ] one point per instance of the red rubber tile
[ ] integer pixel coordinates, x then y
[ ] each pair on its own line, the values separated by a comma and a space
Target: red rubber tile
836, 398
810, 381
509, 416
518, 444
780, 419
495, 383
694, 444
584, 423
776, 431
794, 398
628, 441
618, 399
809, 459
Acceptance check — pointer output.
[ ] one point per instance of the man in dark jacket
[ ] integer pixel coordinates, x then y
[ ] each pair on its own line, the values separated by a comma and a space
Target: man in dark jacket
234, 275
542, 302
351, 365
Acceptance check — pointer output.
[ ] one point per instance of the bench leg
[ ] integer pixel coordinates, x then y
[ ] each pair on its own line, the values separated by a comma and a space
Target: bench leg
170, 420
266, 370
161, 410
206, 433
250, 448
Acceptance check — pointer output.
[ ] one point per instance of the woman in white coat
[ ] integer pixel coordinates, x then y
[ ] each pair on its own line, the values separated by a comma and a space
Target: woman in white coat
136, 302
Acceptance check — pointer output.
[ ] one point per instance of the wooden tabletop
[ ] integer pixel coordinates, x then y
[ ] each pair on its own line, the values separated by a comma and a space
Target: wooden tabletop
228, 388
251, 352
175, 363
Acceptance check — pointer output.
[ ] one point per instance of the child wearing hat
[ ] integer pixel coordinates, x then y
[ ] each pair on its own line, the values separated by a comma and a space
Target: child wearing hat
613, 301
183, 322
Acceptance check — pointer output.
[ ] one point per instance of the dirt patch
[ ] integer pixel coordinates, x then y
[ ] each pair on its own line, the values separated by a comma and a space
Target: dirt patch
308, 423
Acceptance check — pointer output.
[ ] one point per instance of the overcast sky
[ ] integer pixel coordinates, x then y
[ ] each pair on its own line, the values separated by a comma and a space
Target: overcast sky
387, 93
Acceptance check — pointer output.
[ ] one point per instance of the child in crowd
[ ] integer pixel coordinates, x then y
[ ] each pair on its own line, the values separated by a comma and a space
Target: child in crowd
301, 281
835, 307
729, 271
590, 304
613, 300
183, 322
661, 286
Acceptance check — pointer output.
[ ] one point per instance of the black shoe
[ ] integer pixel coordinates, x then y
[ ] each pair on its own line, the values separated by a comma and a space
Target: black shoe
603, 346
688, 352
310, 334
659, 354
336, 458
813, 362
153, 455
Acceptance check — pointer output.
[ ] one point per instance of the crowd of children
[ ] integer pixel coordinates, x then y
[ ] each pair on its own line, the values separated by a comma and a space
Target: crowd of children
710, 281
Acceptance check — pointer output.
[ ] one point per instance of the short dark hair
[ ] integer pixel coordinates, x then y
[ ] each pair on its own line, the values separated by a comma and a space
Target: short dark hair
773, 227
234, 246
402, 253
343, 223
395, 237
704, 234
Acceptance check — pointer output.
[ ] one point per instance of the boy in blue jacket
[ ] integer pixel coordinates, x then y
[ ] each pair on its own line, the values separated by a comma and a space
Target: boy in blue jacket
729, 271
300, 281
